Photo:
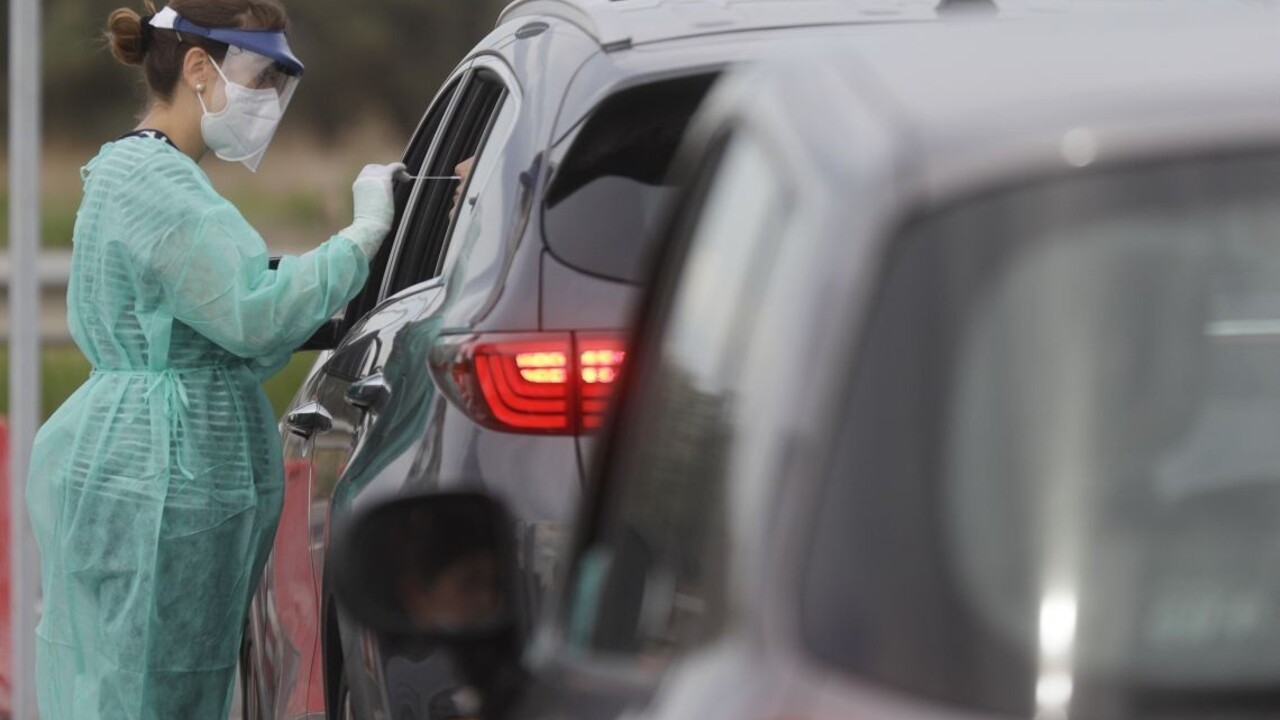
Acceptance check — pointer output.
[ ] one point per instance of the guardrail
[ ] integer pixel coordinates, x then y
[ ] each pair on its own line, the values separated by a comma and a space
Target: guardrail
54, 269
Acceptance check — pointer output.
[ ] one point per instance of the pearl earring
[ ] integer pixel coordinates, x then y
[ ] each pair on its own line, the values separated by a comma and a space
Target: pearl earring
200, 88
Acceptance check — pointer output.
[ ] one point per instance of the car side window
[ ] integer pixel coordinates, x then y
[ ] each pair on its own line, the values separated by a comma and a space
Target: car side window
422, 246
650, 578
471, 213
414, 157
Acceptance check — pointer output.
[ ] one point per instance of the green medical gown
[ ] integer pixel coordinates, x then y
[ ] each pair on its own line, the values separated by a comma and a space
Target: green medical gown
156, 488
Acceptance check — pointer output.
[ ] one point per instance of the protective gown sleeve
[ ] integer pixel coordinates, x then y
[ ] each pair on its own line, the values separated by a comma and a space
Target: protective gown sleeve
213, 268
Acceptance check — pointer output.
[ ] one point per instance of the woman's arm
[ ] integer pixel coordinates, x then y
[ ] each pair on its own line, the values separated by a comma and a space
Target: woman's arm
215, 275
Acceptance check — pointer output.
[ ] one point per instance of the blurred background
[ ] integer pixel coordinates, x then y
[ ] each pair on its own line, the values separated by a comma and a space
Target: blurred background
372, 67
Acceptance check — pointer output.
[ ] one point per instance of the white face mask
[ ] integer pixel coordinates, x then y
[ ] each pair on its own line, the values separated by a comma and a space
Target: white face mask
242, 130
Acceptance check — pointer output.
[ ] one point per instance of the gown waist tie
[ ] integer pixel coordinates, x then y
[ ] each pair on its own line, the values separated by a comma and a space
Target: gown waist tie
176, 401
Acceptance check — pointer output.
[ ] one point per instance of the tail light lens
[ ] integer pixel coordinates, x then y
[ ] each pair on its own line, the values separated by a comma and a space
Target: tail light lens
599, 360
553, 383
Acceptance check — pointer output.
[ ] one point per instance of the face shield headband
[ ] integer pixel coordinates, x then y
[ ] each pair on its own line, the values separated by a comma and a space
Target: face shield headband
267, 43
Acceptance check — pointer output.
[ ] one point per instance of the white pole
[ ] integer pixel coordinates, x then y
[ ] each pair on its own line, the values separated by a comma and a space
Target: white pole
24, 337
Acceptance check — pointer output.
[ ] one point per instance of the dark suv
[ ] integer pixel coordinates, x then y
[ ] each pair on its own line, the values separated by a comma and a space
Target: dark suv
493, 328
952, 400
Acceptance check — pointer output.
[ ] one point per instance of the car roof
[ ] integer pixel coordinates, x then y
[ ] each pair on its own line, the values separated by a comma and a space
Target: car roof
1106, 83
620, 24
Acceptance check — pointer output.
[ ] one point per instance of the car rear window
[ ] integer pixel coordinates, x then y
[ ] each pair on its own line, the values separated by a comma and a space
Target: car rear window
610, 190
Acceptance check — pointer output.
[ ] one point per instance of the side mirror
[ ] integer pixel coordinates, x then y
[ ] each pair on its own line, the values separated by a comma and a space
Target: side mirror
438, 566
439, 569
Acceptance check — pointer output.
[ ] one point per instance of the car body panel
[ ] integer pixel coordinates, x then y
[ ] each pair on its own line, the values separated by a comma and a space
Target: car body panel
594, 303
622, 26
605, 73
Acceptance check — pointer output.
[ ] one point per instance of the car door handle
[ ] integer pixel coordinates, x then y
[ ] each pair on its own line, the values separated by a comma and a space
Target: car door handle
370, 393
308, 420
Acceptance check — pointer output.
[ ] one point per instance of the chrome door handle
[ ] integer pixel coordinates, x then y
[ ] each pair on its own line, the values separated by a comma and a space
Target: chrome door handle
308, 420
370, 393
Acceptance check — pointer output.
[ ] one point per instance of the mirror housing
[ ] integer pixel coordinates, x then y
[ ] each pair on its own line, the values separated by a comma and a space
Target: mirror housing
436, 566
439, 569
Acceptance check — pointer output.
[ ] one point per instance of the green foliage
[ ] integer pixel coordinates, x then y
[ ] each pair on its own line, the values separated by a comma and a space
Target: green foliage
385, 58
284, 385
380, 59
63, 369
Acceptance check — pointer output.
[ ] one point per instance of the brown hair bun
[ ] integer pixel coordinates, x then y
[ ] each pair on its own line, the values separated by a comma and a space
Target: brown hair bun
124, 32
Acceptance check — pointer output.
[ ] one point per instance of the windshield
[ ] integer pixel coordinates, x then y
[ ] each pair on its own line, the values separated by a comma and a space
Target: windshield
609, 192
1057, 489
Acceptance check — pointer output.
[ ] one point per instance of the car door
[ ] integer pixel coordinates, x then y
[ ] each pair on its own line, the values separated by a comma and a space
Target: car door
648, 581
284, 635
374, 386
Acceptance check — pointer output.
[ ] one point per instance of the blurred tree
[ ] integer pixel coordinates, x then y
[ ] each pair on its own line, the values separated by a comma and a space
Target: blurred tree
387, 57
381, 59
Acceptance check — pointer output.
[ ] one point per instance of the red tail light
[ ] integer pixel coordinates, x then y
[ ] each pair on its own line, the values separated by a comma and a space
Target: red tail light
599, 366
555, 383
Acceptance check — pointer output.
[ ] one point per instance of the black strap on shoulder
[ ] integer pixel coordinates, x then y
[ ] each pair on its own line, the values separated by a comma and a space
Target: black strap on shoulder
146, 133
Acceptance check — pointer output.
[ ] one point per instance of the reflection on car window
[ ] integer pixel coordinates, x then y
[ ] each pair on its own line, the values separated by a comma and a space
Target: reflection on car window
609, 193
1057, 487
651, 582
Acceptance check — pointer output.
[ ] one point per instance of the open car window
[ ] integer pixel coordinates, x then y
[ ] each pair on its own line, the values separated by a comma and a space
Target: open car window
429, 221
414, 157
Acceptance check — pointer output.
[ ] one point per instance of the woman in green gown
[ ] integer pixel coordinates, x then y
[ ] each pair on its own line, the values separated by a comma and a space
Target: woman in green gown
156, 488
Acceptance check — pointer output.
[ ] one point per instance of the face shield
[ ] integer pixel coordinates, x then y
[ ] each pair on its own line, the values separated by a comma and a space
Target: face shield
259, 73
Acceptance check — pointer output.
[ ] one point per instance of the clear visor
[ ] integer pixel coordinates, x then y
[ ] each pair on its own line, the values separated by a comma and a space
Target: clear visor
259, 72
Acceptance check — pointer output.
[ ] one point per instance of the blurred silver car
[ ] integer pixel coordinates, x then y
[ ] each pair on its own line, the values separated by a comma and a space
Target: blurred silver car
958, 395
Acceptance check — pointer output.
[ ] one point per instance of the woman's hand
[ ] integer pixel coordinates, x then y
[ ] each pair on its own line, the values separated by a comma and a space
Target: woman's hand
374, 207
